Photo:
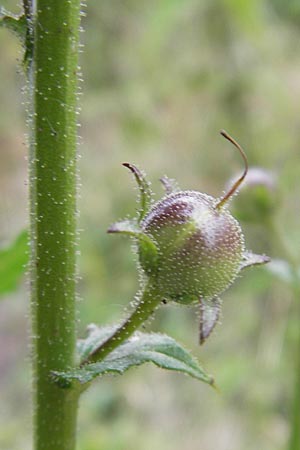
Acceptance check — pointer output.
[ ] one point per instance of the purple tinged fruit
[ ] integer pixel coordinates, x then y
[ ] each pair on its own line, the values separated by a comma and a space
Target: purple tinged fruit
189, 245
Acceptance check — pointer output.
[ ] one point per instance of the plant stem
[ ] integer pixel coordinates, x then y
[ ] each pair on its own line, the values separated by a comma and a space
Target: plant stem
27, 6
147, 304
52, 172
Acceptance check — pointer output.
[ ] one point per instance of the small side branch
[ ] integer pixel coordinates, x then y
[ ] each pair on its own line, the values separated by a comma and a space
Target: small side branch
146, 306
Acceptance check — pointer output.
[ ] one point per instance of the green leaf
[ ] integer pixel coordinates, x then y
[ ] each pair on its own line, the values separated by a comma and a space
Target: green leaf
16, 24
13, 261
96, 337
161, 350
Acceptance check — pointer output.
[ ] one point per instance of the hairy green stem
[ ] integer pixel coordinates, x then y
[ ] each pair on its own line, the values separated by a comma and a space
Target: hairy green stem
145, 307
27, 6
52, 172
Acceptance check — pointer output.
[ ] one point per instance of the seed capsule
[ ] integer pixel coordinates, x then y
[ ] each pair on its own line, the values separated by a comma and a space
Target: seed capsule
200, 248
189, 245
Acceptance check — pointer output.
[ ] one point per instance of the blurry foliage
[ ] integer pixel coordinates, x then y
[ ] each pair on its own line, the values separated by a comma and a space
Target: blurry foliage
13, 261
160, 79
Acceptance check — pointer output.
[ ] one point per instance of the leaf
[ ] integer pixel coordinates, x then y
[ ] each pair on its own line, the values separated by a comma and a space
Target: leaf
13, 261
252, 259
161, 350
209, 316
96, 337
16, 24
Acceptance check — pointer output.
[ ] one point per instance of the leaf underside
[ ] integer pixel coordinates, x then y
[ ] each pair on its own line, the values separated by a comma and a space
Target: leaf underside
161, 350
96, 337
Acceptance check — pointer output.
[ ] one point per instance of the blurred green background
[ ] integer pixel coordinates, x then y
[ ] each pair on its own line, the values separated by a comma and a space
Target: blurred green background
160, 79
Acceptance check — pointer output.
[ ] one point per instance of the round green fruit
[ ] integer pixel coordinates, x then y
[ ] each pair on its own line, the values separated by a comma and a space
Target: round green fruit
200, 247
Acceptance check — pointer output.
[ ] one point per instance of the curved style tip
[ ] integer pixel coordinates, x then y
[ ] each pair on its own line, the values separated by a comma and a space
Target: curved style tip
112, 229
133, 169
236, 185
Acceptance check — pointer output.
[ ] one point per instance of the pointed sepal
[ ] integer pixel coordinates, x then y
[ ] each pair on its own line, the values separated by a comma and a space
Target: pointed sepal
145, 191
147, 249
209, 316
170, 185
252, 259
127, 227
